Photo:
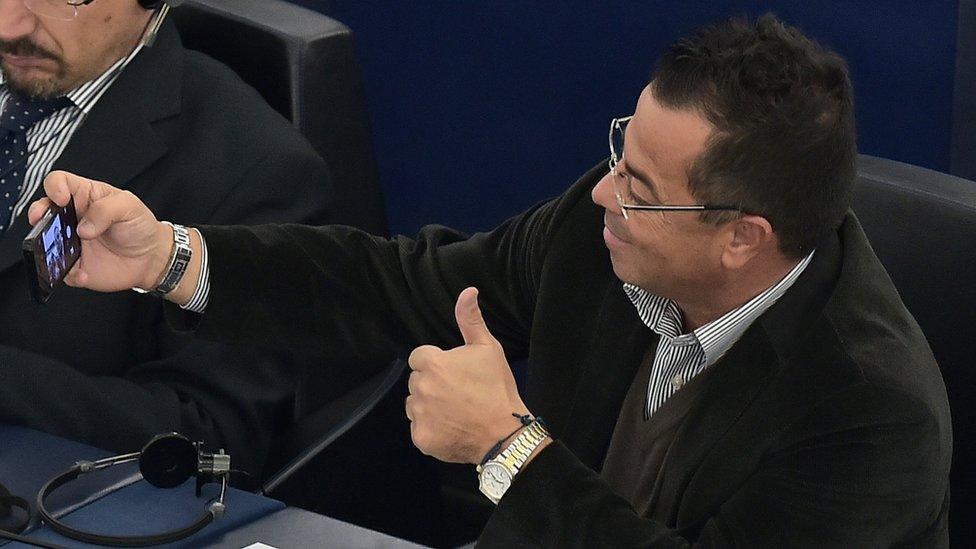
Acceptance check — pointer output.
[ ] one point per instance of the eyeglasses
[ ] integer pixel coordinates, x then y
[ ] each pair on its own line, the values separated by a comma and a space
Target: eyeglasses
623, 181
62, 10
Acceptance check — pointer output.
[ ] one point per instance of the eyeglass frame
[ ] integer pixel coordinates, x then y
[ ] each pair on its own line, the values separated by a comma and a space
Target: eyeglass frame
616, 124
73, 3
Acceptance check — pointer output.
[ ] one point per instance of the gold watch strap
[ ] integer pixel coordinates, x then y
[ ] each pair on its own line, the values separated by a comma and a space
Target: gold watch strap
516, 454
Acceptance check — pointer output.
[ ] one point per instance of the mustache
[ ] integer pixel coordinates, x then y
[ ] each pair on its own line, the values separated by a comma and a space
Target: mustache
26, 48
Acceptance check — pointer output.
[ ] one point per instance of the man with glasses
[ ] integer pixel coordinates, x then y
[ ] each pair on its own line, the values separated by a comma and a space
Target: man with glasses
82, 89
718, 356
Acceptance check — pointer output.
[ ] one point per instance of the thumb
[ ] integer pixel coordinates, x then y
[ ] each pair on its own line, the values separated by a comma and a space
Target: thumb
469, 319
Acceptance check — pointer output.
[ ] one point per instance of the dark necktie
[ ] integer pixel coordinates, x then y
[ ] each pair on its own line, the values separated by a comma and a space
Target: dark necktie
19, 115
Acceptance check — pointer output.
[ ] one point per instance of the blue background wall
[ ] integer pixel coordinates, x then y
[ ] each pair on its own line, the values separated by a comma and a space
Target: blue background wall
480, 109
964, 101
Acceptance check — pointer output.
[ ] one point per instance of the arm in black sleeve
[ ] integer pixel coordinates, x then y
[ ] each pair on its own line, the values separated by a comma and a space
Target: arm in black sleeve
838, 478
345, 294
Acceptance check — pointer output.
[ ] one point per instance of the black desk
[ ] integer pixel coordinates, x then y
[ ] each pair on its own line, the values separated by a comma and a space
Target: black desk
119, 502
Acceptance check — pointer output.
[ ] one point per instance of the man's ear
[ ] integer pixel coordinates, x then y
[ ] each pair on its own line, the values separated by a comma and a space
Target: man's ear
751, 234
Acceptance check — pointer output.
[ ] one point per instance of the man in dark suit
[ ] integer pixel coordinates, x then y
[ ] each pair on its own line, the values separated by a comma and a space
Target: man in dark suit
186, 135
719, 357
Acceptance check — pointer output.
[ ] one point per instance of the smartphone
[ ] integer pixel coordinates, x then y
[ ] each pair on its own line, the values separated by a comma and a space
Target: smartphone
50, 250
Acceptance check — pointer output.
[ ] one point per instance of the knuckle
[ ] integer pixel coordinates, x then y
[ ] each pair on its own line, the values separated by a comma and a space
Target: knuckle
415, 357
421, 386
416, 408
423, 356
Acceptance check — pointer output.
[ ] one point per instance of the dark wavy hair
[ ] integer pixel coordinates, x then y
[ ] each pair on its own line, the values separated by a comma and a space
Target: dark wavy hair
783, 109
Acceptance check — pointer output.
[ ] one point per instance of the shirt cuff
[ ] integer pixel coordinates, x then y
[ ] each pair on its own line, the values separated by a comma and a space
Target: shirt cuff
200, 298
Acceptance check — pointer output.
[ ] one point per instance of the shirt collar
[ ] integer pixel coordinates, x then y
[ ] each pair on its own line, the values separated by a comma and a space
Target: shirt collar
664, 317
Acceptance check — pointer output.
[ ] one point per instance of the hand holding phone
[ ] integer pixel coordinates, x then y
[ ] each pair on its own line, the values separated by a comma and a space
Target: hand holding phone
125, 246
50, 250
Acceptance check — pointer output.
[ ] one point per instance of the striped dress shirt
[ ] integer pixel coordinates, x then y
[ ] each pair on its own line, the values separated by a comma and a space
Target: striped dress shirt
49, 137
682, 356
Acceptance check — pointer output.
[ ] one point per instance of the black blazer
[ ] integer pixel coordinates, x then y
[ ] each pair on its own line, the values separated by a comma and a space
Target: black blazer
197, 145
826, 424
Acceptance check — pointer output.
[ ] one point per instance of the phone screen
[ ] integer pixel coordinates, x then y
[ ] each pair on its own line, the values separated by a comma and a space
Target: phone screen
50, 250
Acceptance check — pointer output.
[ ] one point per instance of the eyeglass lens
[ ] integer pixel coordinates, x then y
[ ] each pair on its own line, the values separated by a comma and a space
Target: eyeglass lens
63, 10
621, 181
617, 139
621, 188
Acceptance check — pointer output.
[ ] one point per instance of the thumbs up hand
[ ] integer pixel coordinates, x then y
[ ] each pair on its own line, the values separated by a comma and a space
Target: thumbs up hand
461, 400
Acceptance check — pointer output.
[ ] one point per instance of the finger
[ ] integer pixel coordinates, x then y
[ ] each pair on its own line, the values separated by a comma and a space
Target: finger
414, 435
412, 380
60, 186
469, 319
107, 210
421, 437
63, 186
38, 208
76, 277
408, 406
422, 355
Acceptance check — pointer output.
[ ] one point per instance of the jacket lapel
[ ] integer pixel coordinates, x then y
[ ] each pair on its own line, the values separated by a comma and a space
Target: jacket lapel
732, 384
737, 380
607, 373
118, 140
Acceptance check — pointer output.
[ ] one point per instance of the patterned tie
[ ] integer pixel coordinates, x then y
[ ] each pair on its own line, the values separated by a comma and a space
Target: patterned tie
19, 115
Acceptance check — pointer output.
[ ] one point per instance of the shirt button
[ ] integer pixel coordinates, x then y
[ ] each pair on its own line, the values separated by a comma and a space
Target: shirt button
677, 382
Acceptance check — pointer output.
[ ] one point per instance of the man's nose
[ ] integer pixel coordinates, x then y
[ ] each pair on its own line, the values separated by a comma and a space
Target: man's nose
16, 21
604, 196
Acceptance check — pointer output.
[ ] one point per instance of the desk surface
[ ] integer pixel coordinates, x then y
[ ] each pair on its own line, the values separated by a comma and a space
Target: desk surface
117, 501
292, 527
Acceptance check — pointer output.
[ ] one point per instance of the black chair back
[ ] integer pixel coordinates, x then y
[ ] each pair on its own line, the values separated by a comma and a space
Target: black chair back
305, 66
922, 225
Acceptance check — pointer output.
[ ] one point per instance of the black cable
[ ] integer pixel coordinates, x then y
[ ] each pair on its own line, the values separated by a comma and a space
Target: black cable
30, 541
98, 539
8, 502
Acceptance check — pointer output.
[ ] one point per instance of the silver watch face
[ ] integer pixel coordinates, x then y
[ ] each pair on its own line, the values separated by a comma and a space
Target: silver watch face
494, 480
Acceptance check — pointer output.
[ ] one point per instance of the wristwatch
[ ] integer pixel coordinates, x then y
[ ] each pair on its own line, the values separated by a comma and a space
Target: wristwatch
495, 476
